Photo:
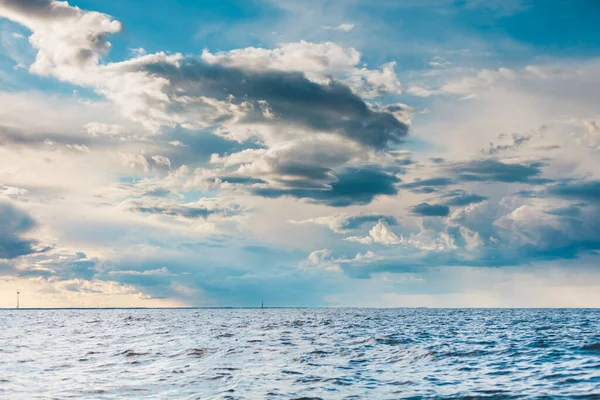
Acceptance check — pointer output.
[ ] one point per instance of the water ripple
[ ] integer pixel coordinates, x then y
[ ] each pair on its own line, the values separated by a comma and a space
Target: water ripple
300, 354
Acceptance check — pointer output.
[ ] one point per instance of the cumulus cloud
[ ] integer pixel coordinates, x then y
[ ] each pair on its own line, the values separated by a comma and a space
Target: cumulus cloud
380, 233
231, 95
341, 223
491, 234
237, 90
300, 163
69, 40
320, 62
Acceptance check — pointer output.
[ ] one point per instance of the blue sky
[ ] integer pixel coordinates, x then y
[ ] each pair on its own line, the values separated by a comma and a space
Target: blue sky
322, 153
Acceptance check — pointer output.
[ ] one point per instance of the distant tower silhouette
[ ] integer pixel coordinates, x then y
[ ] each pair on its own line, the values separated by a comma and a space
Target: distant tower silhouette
18, 299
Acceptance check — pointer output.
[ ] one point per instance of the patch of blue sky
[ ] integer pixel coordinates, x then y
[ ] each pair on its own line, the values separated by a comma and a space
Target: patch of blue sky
182, 26
129, 179
190, 196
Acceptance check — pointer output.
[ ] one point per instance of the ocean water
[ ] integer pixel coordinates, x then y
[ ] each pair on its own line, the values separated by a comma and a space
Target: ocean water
299, 353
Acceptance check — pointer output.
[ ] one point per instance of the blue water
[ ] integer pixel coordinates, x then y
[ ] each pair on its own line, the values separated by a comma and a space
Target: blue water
295, 353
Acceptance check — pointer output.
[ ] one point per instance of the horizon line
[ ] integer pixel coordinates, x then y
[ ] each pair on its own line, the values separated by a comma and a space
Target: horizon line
294, 307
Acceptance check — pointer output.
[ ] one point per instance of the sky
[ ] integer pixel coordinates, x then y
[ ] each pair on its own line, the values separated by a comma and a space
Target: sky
372, 153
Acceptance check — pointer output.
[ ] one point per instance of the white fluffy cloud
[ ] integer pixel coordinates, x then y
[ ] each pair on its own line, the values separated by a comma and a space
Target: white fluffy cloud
70, 41
318, 61
380, 233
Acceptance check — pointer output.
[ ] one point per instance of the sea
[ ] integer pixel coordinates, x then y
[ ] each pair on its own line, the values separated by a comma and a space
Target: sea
306, 353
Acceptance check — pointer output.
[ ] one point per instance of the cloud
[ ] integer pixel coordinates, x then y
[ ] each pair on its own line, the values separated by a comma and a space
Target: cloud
487, 234
461, 199
582, 190
14, 223
317, 257
341, 27
380, 233
236, 90
573, 210
201, 209
341, 223
13, 192
353, 186
430, 210
364, 265
319, 62
68, 39
300, 163
231, 95
516, 141
164, 271
56, 264
102, 129
491, 170
427, 185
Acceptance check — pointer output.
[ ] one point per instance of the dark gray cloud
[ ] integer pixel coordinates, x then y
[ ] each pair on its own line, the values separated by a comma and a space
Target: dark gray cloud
427, 185
491, 170
13, 224
405, 161
311, 172
353, 186
577, 190
292, 98
430, 210
302, 164
460, 199
242, 180
509, 238
574, 210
